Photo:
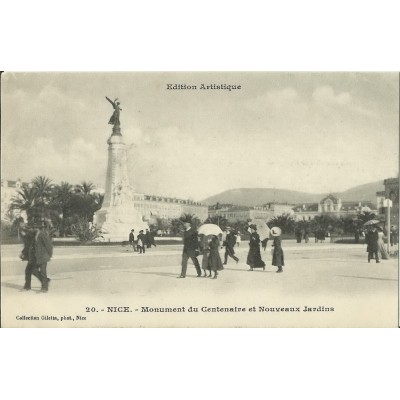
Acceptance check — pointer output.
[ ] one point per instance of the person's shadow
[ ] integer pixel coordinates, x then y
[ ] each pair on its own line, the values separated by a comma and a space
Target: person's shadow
20, 288
164, 274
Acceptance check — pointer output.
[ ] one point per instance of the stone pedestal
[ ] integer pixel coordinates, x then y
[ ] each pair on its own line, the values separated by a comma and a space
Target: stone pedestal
118, 215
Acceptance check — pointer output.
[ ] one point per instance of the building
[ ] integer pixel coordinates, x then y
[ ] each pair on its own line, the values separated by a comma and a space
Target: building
391, 192
9, 189
331, 205
233, 213
153, 207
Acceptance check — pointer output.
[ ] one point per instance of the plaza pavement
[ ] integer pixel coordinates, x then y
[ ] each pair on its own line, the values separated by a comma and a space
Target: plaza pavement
89, 282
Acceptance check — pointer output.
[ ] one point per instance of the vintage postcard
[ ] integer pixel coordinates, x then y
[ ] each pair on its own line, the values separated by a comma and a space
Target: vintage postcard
199, 199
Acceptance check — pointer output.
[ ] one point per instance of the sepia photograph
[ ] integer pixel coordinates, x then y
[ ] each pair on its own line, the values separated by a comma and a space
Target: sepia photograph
199, 199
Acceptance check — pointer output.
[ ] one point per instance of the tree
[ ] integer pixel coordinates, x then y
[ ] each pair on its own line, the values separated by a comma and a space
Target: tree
62, 201
284, 221
85, 188
176, 224
25, 200
222, 222
84, 230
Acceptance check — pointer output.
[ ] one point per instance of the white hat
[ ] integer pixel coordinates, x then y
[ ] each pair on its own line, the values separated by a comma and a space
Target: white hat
276, 231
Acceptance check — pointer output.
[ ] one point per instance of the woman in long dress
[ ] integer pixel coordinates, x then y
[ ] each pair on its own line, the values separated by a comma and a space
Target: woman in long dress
214, 259
277, 254
205, 251
381, 245
254, 257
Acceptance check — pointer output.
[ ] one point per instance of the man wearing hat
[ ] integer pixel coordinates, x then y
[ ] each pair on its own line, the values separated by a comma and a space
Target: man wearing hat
277, 255
372, 244
141, 240
39, 253
190, 249
132, 239
229, 244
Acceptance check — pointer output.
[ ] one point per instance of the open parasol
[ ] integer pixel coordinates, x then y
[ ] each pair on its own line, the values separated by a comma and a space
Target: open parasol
210, 229
262, 228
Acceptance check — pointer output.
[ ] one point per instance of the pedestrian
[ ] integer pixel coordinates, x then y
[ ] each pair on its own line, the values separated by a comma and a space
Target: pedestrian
205, 251
141, 242
277, 254
254, 256
148, 239
316, 236
214, 259
28, 233
40, 251
321, 235
306, 236
381, 244
371, 239
238, 239
356, 236
298, 235
132, 239
229, 244
152, 240
190, 250
394, 236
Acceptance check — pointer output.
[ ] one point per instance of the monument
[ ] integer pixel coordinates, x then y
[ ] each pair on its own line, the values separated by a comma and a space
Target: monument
118, 215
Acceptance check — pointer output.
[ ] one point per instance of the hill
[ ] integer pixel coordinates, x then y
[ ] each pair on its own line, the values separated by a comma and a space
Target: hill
365, 192
257, 196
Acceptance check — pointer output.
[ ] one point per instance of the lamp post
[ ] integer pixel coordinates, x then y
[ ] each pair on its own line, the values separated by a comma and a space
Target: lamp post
387, 203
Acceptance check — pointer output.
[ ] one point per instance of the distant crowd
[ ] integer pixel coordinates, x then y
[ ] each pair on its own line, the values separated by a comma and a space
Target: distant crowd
142, 241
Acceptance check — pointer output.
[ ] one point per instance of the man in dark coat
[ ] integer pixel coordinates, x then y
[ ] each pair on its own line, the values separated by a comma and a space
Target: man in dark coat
229, 244
132, 239
372, 244
28, 254
148, 239
40, 254
190, 250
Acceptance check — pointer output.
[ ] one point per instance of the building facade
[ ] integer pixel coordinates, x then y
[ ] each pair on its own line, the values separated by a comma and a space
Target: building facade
153, 207
9, 189
234, 213
333, 206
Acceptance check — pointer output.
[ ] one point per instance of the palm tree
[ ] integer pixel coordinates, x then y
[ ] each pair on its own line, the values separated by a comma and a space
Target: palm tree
84, 188
43, 188
222, 222
191, 218
284, 221
61, 202
25, 200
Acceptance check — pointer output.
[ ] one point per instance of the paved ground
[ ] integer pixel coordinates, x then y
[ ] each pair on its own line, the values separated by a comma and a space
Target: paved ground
322, 285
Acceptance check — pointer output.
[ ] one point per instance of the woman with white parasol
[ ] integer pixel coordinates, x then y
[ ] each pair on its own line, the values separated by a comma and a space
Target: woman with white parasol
277, 253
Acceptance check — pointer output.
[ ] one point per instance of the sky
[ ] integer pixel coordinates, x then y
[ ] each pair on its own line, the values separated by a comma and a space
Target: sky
311, 132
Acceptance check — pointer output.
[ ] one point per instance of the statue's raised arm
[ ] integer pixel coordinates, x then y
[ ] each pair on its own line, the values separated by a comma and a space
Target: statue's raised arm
114, 120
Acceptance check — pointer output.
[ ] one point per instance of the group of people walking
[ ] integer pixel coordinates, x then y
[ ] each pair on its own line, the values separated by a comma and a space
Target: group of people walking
143, 240
208, 246
37, 250
376, 248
